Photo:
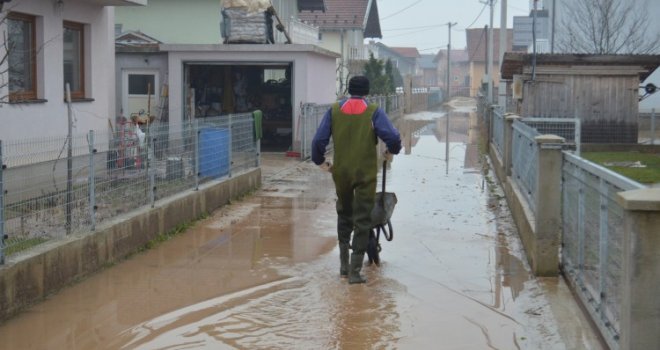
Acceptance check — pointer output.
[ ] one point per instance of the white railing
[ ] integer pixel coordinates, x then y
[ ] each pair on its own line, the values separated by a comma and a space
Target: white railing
303, 33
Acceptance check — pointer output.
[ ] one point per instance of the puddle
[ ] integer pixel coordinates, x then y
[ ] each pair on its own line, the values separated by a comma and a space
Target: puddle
263, 273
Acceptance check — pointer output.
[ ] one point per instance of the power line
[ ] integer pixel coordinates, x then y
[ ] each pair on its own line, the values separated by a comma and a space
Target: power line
403, 9
418, 27
433, 48
478, 16
414, 32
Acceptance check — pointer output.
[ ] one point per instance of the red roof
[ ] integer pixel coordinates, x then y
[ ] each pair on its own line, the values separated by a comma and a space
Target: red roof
477, 40
338, 14
410, 52
346, 14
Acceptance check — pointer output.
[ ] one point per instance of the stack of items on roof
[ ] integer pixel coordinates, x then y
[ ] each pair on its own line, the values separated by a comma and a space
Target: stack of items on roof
247, 22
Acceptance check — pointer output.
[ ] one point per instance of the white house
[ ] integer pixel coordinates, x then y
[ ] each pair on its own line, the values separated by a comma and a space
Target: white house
208, 78
51, 43
343, 27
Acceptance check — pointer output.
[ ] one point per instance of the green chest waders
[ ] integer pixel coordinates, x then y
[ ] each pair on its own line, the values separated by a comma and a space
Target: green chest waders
354, 172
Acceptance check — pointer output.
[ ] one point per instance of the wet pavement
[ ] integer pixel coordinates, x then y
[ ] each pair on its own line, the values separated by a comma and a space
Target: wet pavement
262, 273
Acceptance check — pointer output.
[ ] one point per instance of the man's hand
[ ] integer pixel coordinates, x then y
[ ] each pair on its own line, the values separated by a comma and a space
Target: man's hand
326, 166
388, 156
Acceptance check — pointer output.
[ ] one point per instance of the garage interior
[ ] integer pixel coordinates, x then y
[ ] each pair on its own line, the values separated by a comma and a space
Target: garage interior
223, 88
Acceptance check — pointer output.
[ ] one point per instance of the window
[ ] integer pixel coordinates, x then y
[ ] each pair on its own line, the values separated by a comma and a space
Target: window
21, 59
74, 62
141, 84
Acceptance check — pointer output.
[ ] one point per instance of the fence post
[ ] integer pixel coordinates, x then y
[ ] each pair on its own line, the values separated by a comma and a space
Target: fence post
640, 307
91, 182
653, 126
231, 147
257, 140
508, 143
303, 130
2, 211
545, 259
152, 174
196, 133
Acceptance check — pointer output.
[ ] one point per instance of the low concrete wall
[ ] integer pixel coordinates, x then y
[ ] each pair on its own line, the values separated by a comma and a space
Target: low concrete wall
497, 163
29, 278
519, 209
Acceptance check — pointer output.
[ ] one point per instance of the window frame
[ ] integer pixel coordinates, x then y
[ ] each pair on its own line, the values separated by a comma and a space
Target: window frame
26, 95
80, 27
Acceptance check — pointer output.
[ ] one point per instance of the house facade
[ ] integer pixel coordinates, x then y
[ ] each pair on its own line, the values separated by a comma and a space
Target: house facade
56, 43
407, 66
459, 80
477, 40
429, 68
203, 77
344, 26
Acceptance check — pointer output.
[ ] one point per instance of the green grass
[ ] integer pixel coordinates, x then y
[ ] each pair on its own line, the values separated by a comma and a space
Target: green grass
648, 175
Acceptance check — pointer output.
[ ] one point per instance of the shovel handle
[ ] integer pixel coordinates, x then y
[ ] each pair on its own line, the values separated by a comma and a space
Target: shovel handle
384, 175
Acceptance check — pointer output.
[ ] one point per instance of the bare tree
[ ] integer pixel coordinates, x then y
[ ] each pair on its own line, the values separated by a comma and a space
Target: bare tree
607, 27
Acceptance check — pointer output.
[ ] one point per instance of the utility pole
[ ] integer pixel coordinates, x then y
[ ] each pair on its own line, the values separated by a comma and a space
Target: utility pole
489, 63
449, 25
503, 46
552, 36
534, 42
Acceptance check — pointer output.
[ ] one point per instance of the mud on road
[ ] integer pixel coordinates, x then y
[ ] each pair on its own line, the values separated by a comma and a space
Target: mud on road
262, 273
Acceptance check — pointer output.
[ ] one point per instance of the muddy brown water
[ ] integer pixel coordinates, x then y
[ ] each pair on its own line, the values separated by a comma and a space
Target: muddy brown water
263, 273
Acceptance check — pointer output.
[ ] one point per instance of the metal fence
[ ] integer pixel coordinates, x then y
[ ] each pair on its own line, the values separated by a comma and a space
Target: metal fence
311, 117
568, 128
312, 114
649, 128
592, 239
498, 125
46, 194
525, 152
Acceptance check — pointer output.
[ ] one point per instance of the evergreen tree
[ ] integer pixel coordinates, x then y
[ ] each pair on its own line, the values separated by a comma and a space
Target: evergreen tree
375, 70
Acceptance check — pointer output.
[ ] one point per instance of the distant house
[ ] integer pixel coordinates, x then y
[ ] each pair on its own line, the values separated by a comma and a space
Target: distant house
477, 40
429, 68
460, 71
406, 65
343, 27
205, 77
600, 90
413, 57
53, 43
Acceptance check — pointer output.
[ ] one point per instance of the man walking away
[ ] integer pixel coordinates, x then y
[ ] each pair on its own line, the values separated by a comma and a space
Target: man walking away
354, 126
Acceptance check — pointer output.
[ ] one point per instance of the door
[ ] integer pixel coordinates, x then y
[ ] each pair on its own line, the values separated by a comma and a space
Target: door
140, 93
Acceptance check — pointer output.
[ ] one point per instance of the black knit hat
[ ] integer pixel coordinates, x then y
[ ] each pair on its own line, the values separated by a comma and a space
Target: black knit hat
358, 86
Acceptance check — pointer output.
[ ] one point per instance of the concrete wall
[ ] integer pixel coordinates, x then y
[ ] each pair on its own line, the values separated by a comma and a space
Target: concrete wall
29, 278
49, 117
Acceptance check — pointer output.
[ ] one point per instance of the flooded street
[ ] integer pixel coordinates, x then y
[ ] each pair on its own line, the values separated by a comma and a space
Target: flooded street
263, 273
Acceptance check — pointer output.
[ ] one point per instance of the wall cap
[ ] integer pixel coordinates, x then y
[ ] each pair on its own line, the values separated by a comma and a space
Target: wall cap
646, 199
549, 139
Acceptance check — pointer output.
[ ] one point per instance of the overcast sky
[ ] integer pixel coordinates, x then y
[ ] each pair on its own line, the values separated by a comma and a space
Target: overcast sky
400, 21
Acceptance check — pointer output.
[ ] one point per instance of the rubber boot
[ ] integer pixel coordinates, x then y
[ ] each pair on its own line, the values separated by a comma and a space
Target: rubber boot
343, 260
356, 265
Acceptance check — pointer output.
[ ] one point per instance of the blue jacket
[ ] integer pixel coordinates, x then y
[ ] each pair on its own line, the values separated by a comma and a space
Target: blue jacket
382, 127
